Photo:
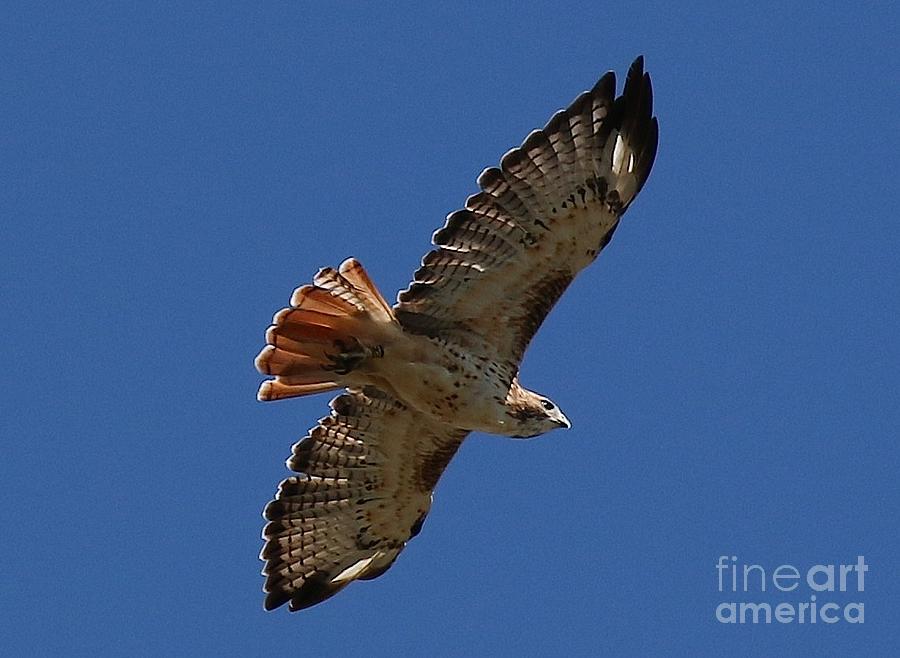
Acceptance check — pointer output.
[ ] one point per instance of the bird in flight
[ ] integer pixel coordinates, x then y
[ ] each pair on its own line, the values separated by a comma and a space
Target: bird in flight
442, 362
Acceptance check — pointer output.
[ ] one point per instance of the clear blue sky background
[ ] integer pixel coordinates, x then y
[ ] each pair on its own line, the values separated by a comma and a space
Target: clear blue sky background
730, 364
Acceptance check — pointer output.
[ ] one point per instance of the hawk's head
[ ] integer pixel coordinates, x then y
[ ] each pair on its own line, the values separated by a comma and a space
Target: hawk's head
532, 414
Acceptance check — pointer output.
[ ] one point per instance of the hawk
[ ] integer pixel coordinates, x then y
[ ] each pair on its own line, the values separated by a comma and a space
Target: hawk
420, 375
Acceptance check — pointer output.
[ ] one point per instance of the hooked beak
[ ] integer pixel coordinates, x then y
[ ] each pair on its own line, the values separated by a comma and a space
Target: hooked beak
564, 422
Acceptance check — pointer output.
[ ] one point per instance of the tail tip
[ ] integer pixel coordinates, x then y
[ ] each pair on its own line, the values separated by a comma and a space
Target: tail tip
262, 360
264, 394
349, 264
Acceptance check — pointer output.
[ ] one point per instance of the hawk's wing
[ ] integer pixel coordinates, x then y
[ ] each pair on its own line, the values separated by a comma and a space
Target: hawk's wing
364, 489
544, 215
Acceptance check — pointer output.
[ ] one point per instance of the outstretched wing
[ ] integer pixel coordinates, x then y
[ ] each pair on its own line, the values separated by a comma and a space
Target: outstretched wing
366, 476
544, 215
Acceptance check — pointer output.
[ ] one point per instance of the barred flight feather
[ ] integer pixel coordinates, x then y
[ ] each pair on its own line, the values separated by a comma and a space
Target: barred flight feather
366, 473
551, 206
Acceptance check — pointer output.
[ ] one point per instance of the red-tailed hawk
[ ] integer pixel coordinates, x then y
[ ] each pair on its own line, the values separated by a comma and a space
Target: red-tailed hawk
443, 361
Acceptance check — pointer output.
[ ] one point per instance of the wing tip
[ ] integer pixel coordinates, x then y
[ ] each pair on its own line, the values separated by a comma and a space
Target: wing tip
276, 599
313, 591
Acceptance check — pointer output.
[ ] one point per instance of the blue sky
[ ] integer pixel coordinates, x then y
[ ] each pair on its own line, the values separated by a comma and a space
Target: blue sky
171, 173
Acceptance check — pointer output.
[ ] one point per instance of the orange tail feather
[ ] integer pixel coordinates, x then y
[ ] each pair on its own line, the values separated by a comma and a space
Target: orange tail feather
342, 310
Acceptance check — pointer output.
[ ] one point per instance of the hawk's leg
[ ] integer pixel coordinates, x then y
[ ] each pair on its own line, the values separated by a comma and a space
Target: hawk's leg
350, 354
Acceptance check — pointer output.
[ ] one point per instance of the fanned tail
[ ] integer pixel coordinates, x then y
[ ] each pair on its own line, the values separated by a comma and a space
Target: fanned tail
328, 330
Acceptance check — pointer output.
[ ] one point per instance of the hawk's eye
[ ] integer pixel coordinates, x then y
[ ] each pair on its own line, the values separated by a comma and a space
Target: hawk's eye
546, 404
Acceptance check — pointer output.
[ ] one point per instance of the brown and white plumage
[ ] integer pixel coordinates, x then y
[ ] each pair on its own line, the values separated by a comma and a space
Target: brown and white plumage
540, 218
367, 474
444, 360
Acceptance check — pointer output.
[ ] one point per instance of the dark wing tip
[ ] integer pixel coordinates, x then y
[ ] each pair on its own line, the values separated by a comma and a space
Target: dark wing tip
634, 109
636, 70
276, 599
604, 88
313, 591
648, 154
638, 95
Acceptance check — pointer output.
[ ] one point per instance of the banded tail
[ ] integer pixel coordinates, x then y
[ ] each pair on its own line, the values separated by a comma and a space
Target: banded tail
329, 328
